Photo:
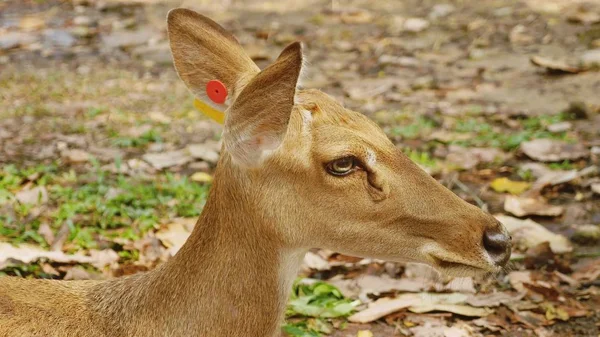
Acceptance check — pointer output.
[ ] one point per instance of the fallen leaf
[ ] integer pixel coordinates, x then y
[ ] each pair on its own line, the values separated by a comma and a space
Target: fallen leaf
459, 309
207, 151
103, 258
555, 66
490, 324
61, 237
591, 58
364, 333
494, 299
548, 292
521, 206
201, 177
420, 301
77, 273
542, 256
167, 159
595, 188
518, 35
461, 285
560, 127
553, 312
46, 232
587, 234
371, 284
75, 156
528, 233
384, 307
368, 88
316, 262
584, 17
173, 236
468, 158
549, 150
26, 254
415, 25
518, 278
33, 196
429, 330
588, 272
506, 185
530, 319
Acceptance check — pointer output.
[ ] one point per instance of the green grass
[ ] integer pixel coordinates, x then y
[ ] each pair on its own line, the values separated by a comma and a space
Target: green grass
82, 202
421, 158
418, 128
489, 135
312, 306
564, 165
150, 136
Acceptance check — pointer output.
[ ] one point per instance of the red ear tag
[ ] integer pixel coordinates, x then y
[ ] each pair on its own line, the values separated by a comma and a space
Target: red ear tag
216, 91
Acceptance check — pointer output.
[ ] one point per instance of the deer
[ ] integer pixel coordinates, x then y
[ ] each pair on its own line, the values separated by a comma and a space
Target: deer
297, 171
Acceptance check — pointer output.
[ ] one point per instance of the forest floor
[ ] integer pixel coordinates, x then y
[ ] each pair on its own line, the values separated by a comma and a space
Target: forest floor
105, 164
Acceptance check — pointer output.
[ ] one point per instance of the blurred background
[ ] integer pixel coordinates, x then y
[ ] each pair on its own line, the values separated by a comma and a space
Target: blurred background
105, 164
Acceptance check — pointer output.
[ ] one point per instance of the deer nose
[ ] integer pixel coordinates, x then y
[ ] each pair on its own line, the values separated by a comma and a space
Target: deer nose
497, 244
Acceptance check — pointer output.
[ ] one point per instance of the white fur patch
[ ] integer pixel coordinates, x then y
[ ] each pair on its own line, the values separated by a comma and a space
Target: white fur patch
371, 157
307, 119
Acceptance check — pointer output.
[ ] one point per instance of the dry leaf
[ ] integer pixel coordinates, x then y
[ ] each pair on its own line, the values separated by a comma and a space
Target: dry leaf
76, 156
493, 299
364, 333
207, 151
167, 159
383, 307
506, 185
459, 309
201, 177
520, 207
34, 196
555, 66
315, 262
25, 254
421, 301
173, 237
549, 150
518, 278
528, 233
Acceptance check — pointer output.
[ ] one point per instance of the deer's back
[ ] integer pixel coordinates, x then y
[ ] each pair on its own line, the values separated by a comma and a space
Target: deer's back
46, 308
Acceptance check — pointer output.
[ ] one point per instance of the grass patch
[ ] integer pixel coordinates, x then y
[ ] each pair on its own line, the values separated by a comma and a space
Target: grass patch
420, 127
564, 165
150, 136
315, 304
95, 204
488, 135
421, 158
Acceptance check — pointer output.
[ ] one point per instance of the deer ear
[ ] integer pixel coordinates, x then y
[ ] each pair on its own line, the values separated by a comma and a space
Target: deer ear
205, 53
257, 121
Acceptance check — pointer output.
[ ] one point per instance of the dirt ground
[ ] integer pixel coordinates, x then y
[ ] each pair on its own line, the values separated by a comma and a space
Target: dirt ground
101, 149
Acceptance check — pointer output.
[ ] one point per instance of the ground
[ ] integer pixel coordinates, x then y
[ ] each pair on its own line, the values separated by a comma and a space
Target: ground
105, 163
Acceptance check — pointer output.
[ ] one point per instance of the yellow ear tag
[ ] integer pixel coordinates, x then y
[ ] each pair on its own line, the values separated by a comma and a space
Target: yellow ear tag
209, 111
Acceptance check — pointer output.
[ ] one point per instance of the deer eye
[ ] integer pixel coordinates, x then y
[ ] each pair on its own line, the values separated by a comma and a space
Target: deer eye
342, 166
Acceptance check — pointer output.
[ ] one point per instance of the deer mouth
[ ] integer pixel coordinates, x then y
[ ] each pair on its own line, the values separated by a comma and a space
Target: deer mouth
458, 268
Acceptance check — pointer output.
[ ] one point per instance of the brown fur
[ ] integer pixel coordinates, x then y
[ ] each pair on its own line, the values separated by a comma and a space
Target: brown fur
271, 201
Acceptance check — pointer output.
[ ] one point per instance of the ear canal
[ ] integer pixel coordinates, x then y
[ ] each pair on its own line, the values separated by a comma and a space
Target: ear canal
203, 52
257, 121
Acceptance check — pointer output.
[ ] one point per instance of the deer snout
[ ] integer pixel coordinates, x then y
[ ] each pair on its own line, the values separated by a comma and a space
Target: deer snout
497, 243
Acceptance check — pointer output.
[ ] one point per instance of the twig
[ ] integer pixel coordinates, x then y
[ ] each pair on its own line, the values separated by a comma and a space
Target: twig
472, 194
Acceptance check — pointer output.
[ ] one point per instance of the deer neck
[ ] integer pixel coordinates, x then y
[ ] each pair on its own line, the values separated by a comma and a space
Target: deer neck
233, 275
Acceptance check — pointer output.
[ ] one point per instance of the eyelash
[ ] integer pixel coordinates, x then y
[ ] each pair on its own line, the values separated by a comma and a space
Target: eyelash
356, 164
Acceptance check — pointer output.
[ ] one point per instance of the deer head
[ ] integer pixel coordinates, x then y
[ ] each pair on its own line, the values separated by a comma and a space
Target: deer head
320, 175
